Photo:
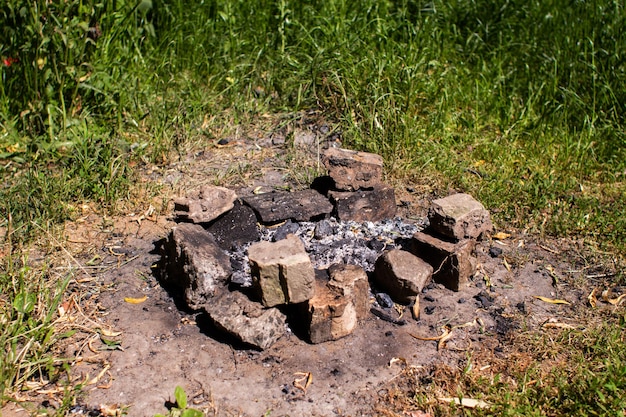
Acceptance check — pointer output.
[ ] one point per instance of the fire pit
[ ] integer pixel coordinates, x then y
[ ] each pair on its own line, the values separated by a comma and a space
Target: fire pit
323, 258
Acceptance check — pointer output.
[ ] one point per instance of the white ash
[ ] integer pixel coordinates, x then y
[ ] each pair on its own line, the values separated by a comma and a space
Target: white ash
332, 241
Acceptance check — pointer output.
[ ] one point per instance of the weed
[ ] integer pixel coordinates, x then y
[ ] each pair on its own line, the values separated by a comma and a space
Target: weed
180, 409
27, 312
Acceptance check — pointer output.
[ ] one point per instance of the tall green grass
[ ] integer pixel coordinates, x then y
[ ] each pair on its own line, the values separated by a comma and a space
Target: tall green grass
521, 103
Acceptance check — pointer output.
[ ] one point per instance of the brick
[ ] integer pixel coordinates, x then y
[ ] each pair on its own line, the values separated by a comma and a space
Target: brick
305, 205
195, 264
365, 205
402, 275
452, 262
205, 205
459, 216
246, 320
281, 271
352, 170
353, 282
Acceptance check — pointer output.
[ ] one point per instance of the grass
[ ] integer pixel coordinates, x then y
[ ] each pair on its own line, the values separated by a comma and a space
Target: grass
573, 372
520, 103
28, 308
527, 98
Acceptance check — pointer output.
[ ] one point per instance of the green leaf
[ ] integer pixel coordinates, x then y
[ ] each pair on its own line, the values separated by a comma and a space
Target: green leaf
190, 412
110, 344
24, 302
181, 397
145, 6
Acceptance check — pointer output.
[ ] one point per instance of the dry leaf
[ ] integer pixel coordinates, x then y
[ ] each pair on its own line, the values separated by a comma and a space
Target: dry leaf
614, 301
99, 376
592, 298
445, 332
33, 385
112, 252
397, 360
418, 414
415, 309
62, 310
132, 300
110, 411
51, 391
557, 325
551, 300
501, 236
307, 378
506, 264
617, 301
549, 249
466, 402
109, 333
442, 342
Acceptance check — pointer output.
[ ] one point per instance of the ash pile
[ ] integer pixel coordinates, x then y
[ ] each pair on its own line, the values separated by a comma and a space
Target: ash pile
325, 257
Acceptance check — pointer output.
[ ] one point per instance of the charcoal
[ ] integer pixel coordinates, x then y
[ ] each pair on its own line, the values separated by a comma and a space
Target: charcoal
384, 300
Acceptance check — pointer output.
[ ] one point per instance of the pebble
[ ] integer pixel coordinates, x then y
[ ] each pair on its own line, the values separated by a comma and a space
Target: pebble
288, 228
429, 298
323, 229
494, 252
384, 300
376, 244
484, 299
429, 310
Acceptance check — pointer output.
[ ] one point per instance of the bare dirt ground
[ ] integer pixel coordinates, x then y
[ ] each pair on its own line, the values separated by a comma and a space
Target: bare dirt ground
131, 356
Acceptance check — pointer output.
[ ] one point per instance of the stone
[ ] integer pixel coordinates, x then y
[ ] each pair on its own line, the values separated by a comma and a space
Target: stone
452, 262
195, 264
402, 275
384, 300
323, 229
246, 320
205, 205
353, 282
281, 271
459, 216
338, 304
287, 228
235, 228
365, 205
304, 138
331, 316
352, 170
305, 205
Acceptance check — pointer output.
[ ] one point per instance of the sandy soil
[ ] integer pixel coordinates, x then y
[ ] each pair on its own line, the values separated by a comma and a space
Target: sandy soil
164, 347
154, 346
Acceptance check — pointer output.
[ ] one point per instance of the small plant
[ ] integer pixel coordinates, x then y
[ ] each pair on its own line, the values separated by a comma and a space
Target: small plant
180, 408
